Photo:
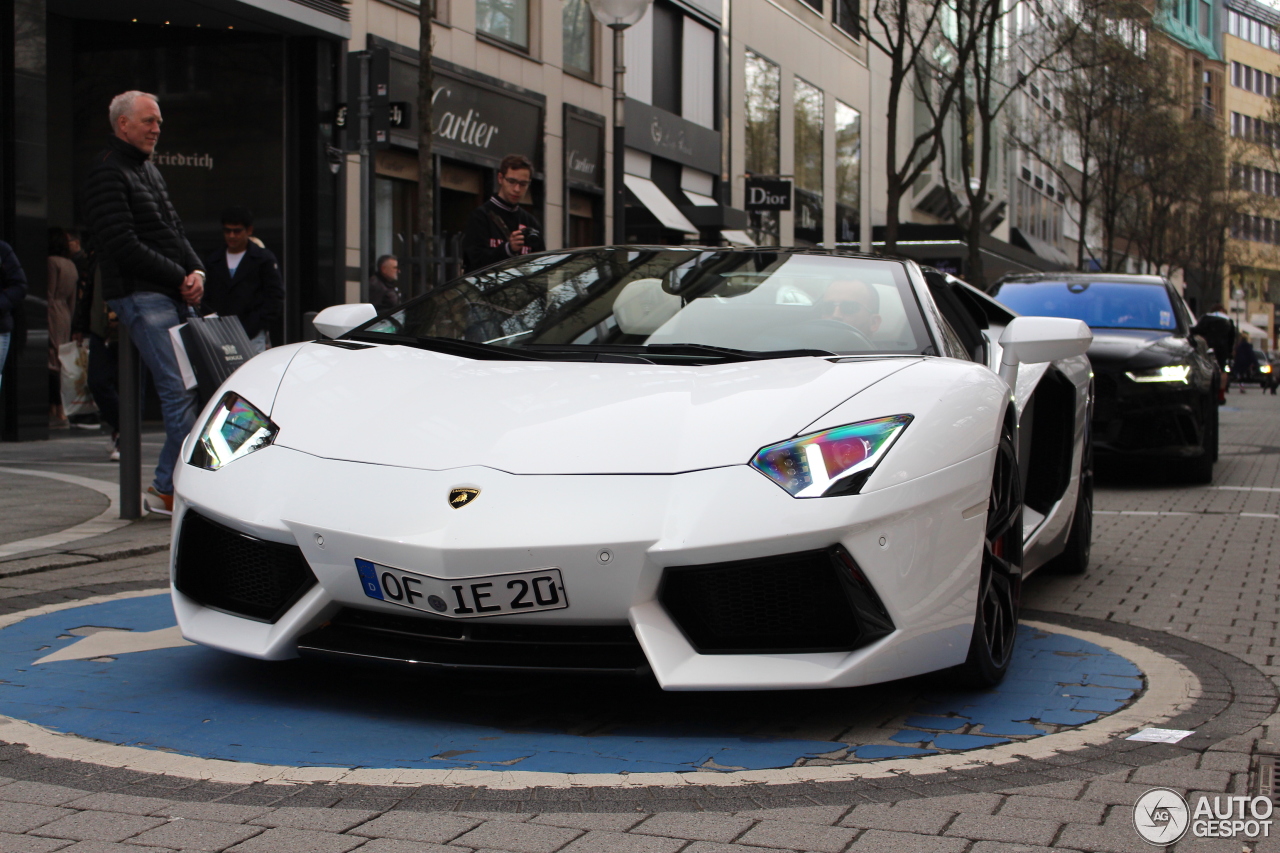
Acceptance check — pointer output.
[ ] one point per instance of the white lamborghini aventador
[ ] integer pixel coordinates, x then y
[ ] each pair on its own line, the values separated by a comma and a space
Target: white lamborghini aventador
733, 469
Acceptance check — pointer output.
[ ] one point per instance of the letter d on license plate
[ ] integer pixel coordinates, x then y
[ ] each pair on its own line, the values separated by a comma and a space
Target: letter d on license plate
464, 598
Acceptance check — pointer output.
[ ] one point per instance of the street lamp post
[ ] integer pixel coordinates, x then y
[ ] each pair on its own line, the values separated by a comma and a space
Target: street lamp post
617, 15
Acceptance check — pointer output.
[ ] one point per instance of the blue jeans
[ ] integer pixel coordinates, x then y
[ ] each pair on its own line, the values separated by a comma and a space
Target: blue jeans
149, 317
4, 351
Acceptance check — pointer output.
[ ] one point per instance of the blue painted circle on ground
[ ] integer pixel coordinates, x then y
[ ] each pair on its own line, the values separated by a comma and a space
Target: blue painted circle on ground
203, 703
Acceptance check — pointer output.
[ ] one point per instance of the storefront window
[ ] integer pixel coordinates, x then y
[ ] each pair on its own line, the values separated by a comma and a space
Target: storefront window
763, 122
395, 217
848, 174
504, 19
808, 164
577, 36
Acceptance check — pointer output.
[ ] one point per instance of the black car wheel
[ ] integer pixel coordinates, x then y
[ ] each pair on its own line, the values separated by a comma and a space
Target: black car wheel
1200, 469
995, 626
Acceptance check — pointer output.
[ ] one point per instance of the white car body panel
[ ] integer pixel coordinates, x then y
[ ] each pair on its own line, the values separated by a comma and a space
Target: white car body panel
647, 461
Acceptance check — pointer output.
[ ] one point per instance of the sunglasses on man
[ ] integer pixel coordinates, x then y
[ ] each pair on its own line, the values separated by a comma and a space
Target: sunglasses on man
843, 306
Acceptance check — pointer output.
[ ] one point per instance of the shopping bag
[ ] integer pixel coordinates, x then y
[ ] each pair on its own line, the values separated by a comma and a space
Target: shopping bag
180, 353
215, 346
76, 398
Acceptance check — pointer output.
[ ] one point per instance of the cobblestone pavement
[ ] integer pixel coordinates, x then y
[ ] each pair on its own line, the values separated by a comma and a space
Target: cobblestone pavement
1189, 572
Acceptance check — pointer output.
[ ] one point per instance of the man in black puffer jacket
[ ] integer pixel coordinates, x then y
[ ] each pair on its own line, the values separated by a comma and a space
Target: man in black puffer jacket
149, 270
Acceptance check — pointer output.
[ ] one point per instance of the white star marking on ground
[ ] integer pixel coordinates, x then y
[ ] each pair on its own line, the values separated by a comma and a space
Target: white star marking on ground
112, 642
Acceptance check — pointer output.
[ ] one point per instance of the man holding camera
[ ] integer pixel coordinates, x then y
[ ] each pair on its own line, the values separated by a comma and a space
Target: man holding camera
500, 228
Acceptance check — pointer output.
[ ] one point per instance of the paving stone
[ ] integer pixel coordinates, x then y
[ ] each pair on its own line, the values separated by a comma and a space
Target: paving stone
879, 841
614, 842
1115, 793
197, 835
922, 821
798, 836
1160, 774
510, 817
1099, 839
1235, 762
1055, 790
695, 826
297, 841
1002, 847
223, 812
39, 793
98, 826
417, 826
399, 845
322, 820
23, 817
1047, 808
824, 815
999, 828
963, 803
605, 821
126, 803
517, 837
11, 843
718, 847
111, 847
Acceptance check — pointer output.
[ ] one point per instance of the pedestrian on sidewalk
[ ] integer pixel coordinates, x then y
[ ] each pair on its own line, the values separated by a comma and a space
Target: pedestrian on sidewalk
244, 280
94, 320
63, 278
13, 289
384, 288
500, 228
150, 273
1220, 334
1245, 363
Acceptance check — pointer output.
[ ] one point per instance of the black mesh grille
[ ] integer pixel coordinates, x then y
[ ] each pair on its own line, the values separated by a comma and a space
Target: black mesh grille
464, 644
227, 570
807, 602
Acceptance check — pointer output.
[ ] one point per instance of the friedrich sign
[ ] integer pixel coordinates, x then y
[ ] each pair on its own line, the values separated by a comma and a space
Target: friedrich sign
768, 194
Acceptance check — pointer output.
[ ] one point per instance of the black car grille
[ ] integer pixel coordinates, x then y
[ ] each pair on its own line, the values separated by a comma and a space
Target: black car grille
813, 601
465, 644
232, 571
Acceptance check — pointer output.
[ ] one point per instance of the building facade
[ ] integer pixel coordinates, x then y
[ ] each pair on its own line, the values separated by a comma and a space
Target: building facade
1251, 44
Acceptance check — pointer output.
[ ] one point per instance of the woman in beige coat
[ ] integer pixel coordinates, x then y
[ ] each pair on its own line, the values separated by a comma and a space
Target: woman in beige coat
62, 298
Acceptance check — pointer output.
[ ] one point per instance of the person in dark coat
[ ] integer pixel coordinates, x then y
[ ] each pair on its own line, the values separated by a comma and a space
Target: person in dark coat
384, 290
1245, 363
150, 273
244, 280
1220, 334
13, 289
500, 228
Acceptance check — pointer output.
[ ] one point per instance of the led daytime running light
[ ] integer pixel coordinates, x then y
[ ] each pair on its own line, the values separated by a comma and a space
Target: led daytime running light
821, 463
1168, 373
236, 428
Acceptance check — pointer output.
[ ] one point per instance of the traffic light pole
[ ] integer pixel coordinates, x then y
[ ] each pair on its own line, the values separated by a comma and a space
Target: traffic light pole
366, 178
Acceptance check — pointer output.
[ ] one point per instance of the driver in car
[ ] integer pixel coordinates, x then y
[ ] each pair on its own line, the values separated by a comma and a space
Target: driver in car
854, 303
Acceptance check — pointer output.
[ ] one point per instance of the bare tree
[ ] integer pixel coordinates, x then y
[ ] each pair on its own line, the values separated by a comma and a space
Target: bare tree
903, 30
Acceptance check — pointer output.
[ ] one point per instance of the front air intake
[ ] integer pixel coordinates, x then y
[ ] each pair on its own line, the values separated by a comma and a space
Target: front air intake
240, 574
813, 601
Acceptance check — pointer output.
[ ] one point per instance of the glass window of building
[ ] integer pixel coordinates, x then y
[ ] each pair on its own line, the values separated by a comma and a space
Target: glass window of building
763, 121
846, 16
808, 164
504, 19
848, 174
578, 31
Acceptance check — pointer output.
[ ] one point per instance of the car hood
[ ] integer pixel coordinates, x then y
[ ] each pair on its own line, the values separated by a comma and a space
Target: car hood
394, 405
1135, 349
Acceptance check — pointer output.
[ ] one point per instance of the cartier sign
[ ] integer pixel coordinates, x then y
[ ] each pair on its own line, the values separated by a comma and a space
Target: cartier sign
583, 150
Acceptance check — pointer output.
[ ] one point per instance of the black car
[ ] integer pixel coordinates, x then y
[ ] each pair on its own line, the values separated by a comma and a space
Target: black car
1154, 382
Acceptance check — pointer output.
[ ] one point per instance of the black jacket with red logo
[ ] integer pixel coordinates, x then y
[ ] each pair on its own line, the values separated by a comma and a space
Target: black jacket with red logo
486, 239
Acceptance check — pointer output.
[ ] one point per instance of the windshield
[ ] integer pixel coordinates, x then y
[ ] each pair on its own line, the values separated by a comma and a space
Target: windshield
1101, 304
642, 299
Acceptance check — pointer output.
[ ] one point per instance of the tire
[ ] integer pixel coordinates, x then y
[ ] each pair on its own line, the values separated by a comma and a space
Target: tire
995, 625
1074, 559
1199, 471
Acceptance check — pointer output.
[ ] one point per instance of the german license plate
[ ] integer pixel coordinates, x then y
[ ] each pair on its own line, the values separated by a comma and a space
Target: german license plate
464, 598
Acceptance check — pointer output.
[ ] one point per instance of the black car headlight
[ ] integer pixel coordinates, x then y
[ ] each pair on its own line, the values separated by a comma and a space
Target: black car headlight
832, 462
236, 428
1168, 373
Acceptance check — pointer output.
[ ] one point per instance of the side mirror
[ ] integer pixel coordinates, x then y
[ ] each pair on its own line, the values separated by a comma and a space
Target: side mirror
1033, 340
337, 320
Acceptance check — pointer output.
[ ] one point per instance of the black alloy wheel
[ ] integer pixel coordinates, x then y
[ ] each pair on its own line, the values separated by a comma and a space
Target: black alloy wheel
995, 626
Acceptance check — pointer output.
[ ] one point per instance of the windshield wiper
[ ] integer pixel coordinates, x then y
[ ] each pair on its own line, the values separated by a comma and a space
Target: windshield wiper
450, 346
720, 353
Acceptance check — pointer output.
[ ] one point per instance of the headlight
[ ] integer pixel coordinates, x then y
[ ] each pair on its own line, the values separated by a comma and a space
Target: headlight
236, 428
1265, 368
832, 462
1168, 373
